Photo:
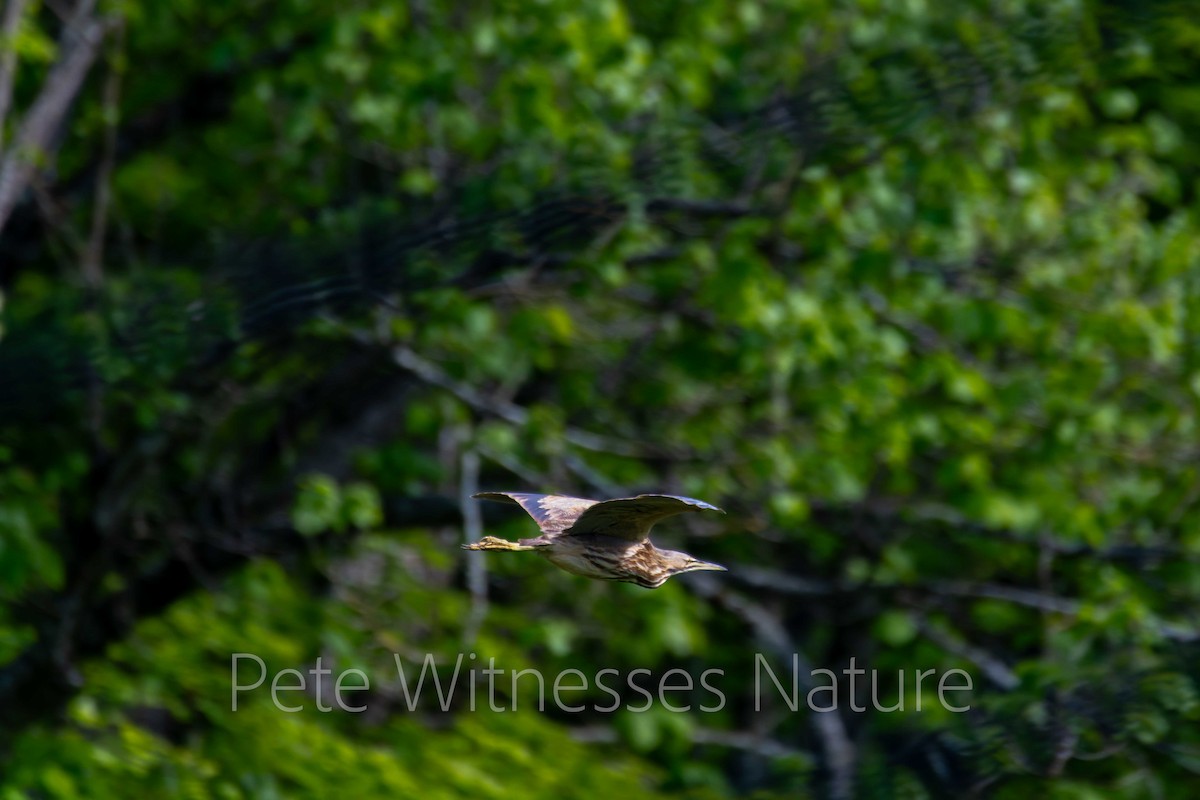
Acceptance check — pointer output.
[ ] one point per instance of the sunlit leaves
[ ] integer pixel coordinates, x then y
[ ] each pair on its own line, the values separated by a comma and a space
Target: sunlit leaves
321, 505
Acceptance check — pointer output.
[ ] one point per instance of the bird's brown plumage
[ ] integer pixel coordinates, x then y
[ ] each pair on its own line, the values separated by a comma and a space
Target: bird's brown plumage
625, 517
552, 512
606, 539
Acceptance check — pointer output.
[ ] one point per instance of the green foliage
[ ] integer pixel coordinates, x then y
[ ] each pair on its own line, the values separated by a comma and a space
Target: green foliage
322, 505
105, 750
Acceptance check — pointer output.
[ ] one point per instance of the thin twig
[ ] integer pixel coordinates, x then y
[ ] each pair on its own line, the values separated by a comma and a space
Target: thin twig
8, 58
784, 583
511, 464
1049, 603
1011, 594
737, 740
787, 583
841, 755
509, 412
93, 255
941, 519
468, 485
992, 667
79, 47
585, 472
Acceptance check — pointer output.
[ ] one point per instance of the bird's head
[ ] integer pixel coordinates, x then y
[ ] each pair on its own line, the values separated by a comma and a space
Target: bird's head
677, 563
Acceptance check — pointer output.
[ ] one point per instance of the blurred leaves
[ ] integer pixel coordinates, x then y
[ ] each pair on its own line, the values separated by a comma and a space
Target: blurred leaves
321, 505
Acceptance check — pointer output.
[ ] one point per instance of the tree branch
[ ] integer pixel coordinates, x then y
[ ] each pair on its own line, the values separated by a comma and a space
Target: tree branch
79, 47
13, 10
992, 667
472, 532
509, 412
841, 755
737, 740
93, 256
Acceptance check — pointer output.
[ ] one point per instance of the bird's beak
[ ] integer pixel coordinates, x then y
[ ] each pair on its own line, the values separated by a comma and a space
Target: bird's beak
707, 566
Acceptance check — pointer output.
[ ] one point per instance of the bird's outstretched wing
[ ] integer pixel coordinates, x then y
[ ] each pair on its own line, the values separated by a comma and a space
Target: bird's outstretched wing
633, 517
553, 513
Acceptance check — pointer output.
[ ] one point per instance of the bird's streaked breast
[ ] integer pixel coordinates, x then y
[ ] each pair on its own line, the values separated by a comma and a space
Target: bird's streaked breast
608, 566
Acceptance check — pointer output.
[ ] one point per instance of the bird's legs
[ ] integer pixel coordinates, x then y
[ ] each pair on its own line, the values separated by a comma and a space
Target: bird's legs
495, 543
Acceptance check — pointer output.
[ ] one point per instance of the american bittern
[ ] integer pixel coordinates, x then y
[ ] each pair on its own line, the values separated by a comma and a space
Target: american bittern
608, 539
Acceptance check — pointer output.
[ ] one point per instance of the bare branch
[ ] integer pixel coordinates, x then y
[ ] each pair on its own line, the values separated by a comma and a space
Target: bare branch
8, 58
584, 471
511, 464
509, 412
702, 208
745, 740
787, 583
992, 667
79, 47
1049, 603
468, 486
934, 518
840, 753
93, 256
1064, 751
1011, 594
737, 740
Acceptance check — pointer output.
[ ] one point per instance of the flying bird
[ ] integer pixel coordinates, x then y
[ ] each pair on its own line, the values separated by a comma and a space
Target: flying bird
603, 539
